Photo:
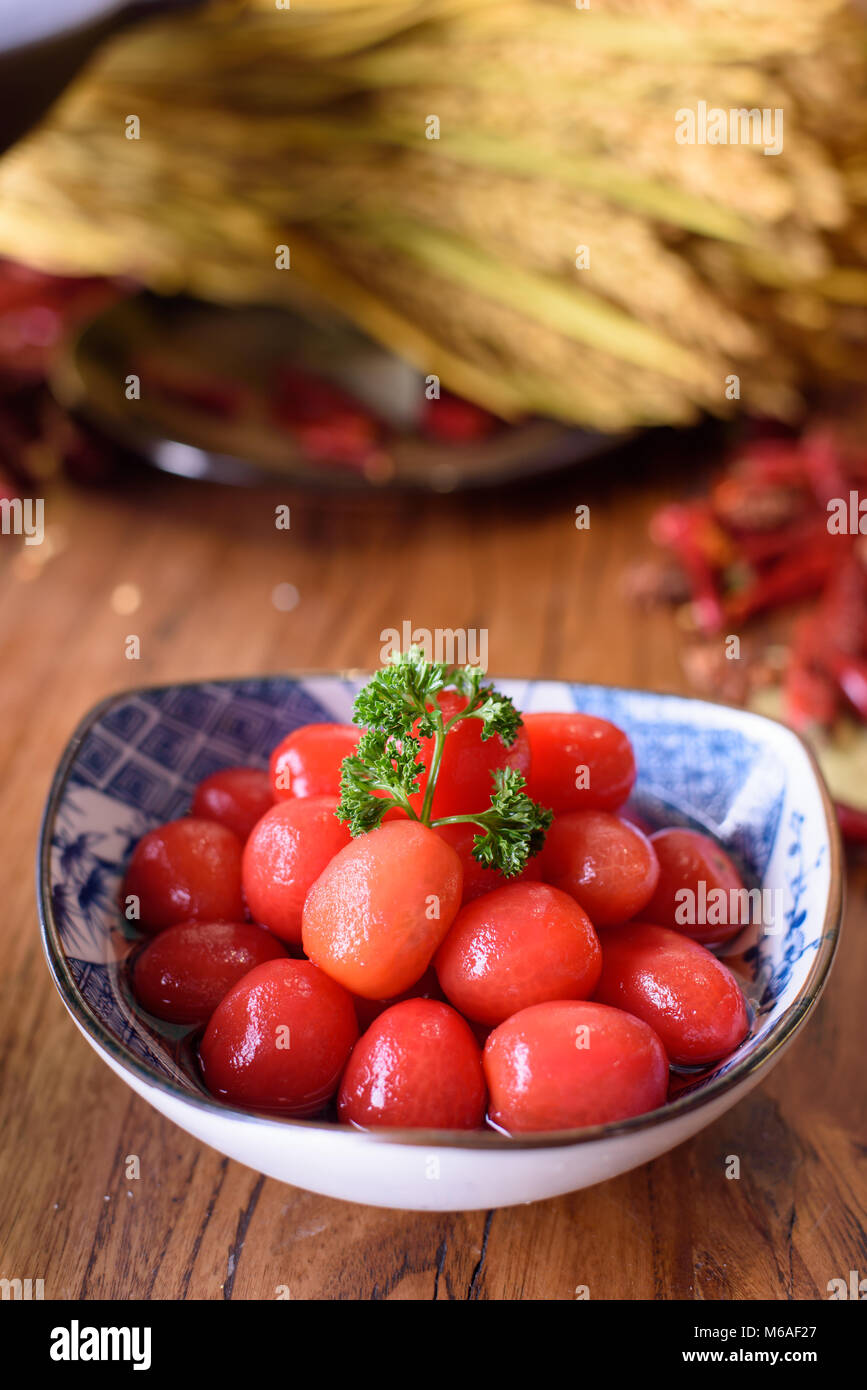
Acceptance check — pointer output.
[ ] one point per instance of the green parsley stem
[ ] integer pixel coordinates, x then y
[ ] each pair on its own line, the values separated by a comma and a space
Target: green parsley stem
443, 730
439, 745
459, 820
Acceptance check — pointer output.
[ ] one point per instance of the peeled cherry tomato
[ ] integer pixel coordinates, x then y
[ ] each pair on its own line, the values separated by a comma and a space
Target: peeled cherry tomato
418, 1066
236, 797
428, 987
280, 1039
687, 996
378, 911
307, 762
607, 864
465, 780
187, 868
569, 1063
688, 860
182, 974
286, 852
478, 879
515, 947
578, 762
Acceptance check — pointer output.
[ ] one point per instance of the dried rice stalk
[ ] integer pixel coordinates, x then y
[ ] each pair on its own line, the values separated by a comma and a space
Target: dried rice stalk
307, 127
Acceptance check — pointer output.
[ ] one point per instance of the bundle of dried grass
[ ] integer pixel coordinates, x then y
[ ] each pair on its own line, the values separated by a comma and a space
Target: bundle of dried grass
434, 169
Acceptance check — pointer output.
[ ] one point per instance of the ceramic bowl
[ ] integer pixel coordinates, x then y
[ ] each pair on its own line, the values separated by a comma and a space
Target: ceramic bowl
133, 763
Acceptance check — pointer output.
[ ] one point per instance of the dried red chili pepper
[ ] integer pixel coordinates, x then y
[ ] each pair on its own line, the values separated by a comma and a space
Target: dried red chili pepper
690, 532
853, 823
328, 425
457, 421
823, 466
810, 694
793, 577
750, 504
776, 461
205, 392
824, 657
760, 548
844, 606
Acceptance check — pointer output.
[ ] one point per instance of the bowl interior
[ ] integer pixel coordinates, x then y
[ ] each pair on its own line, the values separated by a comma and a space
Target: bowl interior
134, 761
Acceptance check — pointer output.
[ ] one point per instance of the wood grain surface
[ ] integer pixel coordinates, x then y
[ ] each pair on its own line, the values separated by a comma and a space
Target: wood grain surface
205, 563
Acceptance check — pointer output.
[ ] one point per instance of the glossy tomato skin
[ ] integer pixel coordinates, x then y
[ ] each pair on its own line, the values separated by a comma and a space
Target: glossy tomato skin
428, 987
182, 974
285, 854
515, 947
379, 910
418, 1066
465, 780
307, 761
687, 858
563, 746
607, 864
279, 1040
188, 868
690, 999
235, 797
478, 879
569, 1063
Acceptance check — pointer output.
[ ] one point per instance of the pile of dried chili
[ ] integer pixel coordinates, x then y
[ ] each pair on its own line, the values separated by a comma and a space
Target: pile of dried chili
781, 533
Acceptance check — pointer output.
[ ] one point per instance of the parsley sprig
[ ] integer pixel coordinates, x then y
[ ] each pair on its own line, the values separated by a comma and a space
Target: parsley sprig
399, 706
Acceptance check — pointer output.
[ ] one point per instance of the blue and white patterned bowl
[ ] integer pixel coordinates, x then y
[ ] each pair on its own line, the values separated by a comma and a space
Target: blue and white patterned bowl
133, 763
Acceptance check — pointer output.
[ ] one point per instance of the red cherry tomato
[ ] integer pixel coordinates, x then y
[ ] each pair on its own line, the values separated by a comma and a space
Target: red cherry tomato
417, 1067
578, 762
515, 947
285, 854
478, 879
182, 974
607, 865
694, 865
280, 1039
428, 987
687, 996
186, 869
570, 1063
307, 762
465, 780
379, 910
235, 797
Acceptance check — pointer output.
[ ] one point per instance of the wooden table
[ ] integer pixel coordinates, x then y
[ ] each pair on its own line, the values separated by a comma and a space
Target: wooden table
195, 1225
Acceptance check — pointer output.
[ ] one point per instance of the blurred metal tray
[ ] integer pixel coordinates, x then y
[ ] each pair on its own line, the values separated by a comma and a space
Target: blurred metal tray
248, 346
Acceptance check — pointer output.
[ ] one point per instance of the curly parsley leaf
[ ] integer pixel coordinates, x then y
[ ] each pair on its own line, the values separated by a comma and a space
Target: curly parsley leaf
384, 764
513, 828
399, 707
401, 693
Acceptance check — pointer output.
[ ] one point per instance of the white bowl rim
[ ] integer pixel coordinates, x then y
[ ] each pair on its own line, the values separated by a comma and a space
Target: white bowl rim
778, 1036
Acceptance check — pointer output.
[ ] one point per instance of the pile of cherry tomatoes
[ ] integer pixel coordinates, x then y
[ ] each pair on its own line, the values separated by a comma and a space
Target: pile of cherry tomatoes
395, 975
